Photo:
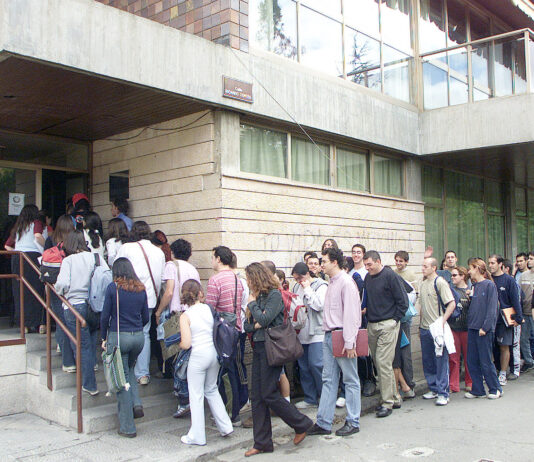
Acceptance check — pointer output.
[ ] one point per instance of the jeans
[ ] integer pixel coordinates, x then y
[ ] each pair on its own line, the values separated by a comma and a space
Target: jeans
237, 376
479, 360
62, 340
436, 369
142, 367
331, 368
526, 331
460, 342
265, 396
131, 344
88, 346
311, 370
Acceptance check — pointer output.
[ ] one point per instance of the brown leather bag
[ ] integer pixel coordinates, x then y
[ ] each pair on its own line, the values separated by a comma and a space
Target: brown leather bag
282, 344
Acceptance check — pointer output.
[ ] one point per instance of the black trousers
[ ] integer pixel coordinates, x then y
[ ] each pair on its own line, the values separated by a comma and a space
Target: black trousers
265, 395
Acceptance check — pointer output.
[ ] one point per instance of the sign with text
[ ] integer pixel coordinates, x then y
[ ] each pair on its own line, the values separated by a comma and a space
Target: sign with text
236, 89
16, 202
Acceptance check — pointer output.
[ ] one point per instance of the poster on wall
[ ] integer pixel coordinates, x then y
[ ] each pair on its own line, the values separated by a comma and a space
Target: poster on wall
16, 202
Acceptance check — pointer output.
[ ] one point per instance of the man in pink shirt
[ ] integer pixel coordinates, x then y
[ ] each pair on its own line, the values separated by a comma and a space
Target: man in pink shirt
342, 310
224, 294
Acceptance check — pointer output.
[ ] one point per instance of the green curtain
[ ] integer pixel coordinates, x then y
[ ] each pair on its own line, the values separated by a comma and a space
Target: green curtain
522, 234
494, 196
352, 170
465, 216
263, 151
310, 163
432, 185
388, 176
496, 234
434, 230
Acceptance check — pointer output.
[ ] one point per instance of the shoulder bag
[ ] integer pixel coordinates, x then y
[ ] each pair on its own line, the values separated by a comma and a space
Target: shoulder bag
171, 326
113, 366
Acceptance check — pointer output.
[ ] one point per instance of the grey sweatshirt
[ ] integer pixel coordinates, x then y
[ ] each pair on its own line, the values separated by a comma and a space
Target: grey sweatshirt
74, 277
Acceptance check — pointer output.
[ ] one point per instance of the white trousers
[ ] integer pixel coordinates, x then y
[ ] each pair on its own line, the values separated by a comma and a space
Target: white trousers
202, 372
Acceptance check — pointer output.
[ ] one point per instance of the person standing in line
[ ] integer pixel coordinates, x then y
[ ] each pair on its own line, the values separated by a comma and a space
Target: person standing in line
329, 244
312, 292
450, 261
116, 236
224, 293
149, 263
196, 329
119, 209
314, 265
387, 303
460, 276
508, 294
434, 294
266, 309
73, 283
358, 251
481, 321
341, 311
401, 267
527, 284
27, 236
80, 207
92, 231
521, 265
132, 316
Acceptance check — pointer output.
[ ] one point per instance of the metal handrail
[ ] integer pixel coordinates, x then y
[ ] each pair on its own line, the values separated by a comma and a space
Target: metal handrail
479, 41
80, 322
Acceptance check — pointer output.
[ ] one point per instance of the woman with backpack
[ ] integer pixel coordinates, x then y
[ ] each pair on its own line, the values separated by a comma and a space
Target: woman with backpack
196, 328
27, 236
92, 231
132, 312
54, 244
116, 236
266, 309
73, 283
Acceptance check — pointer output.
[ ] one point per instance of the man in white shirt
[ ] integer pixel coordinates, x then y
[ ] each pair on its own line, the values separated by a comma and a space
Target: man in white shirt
150, 273
358, 251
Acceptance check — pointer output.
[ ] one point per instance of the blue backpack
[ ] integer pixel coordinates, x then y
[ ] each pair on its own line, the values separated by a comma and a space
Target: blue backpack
101, 278
225, 338
458, 306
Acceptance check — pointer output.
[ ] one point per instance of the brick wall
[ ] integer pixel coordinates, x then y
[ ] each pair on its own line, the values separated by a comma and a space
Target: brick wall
222, 21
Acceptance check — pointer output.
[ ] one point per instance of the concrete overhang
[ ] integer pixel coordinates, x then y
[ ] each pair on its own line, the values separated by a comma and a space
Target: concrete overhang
97, 41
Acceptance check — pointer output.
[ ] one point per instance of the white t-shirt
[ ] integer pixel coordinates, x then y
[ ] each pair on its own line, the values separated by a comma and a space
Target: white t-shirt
112, 247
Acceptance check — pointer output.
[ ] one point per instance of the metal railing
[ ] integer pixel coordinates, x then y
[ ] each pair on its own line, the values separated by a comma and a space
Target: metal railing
80, 322
500, 65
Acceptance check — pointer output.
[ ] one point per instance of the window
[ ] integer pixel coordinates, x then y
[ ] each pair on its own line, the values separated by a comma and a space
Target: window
119, 185
352, 170
521, 219
388, 176
495, 209
263, 151
310, 162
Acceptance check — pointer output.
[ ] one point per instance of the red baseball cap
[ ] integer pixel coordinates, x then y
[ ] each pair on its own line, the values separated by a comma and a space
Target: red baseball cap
78, 197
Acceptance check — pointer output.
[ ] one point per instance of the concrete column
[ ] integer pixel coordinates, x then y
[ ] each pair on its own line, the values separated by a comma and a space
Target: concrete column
413, 184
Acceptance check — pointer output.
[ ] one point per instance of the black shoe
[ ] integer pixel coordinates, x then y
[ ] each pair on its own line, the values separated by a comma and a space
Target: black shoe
383, 412
127, 435
347, 430
526, 367
316, 430
377, 408
397, 405
138, 412
369, 388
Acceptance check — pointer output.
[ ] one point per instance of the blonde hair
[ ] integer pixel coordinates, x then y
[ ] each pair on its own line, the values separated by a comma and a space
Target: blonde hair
260, 279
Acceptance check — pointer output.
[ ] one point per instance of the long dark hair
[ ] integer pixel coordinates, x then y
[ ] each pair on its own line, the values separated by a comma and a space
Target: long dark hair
117, 229
124, 276
140, 230
160, 240
63, 227
28, 215
260, 279
93, 226
75, 242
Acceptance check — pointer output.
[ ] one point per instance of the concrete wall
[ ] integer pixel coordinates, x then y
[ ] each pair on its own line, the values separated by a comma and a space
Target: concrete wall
13, 380
174, 184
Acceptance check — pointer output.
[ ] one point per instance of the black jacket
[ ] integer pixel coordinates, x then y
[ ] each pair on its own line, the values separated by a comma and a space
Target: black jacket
386, 296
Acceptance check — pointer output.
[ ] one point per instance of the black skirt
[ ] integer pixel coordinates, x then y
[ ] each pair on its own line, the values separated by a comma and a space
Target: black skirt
33, 310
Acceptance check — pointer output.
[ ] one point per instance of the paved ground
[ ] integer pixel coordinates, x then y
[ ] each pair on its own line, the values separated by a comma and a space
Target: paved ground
465, 430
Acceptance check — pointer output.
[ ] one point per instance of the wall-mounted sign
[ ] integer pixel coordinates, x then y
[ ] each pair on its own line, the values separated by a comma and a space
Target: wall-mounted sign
16, 202
236, 89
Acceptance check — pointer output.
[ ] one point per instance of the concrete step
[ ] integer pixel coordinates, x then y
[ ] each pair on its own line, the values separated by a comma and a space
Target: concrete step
66, 397
102, 418
35, 342
36, 361
5, 322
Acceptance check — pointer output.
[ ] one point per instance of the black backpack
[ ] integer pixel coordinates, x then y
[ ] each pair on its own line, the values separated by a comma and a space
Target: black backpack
225, 338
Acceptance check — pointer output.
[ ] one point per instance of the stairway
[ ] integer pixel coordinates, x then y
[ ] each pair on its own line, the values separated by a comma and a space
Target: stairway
99, 412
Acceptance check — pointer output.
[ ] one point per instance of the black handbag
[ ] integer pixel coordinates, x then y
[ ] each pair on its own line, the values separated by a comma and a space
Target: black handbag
282, 344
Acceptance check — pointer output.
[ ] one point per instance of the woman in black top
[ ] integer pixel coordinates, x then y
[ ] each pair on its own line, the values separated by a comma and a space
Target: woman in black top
459, 277
133, 315
266, 309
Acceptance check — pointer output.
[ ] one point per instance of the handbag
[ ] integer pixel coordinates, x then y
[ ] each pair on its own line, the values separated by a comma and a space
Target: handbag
113, 366
410, 312
171, 327
282, 344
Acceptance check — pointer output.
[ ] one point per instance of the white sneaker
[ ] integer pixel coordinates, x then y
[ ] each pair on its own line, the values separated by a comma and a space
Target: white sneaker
470, 395
442, 401
69, 369
495, 395
340, 402
304, 405
502, 380
430, 395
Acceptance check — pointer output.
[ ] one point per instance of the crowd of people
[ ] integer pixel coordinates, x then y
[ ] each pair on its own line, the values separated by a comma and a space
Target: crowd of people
478, 316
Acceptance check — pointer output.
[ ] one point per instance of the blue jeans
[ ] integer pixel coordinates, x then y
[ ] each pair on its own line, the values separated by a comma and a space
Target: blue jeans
62, 340
142, 367
88, 346
436, 369
311, 370
131, 344
331, 368
480, 362
526, 331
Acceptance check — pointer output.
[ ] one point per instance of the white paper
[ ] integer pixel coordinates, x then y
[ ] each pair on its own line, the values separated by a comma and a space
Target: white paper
16, 202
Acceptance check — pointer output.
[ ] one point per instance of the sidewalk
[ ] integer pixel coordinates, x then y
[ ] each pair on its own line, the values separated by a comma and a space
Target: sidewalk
25, 437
